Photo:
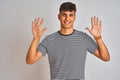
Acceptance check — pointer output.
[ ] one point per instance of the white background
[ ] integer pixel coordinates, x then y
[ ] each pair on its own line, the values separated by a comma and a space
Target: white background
16, 17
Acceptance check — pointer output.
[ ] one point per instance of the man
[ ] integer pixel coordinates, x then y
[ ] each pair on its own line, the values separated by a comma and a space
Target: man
67, 48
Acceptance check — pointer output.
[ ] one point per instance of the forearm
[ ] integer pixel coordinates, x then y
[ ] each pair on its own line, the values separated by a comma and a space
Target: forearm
32, 51
103, 51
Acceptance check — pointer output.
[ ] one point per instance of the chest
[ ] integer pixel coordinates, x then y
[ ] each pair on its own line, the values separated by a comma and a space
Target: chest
67, 46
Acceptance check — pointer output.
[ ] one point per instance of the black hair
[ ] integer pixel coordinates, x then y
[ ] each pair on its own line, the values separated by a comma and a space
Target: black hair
67, 6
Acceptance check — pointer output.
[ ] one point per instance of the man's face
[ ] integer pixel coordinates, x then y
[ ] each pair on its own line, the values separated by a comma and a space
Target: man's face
67, 19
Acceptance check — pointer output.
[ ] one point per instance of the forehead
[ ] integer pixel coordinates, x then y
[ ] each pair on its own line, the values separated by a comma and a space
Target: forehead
67, 12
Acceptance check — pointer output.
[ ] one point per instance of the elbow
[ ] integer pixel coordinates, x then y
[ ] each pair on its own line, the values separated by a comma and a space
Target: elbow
106, 59
29, 62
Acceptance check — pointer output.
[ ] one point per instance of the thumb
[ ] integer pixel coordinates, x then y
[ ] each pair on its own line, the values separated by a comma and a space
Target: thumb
44, 30
88, 29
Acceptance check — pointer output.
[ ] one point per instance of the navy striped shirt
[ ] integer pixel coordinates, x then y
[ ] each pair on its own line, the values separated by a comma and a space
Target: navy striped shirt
67, 54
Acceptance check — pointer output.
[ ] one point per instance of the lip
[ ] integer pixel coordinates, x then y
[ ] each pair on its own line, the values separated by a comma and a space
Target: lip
67, 22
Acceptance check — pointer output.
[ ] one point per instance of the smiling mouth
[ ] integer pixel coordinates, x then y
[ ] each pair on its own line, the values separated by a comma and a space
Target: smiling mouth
67, 22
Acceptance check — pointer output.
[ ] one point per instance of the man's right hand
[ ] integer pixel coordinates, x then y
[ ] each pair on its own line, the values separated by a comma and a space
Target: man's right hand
37, 29
33, 55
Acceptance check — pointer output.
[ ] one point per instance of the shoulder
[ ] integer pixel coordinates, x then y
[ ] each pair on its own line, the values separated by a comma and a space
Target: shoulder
49, 37
81, 33
52, 36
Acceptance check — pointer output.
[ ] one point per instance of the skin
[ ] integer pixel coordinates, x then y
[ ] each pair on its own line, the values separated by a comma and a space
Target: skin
33, 55
66, 19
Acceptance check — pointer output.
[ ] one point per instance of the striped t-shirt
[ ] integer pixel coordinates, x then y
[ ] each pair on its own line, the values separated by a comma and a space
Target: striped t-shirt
67, 54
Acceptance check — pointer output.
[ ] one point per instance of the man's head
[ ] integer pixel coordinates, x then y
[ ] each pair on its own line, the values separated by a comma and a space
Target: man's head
67, 6
67, 15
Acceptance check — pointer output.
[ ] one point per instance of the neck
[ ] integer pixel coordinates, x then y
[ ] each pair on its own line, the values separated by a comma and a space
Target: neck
66, 31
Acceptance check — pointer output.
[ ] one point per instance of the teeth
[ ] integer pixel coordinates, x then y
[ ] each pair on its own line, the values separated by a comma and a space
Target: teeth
67, 22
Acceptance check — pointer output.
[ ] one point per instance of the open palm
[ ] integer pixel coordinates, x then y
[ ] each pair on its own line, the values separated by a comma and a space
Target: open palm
96, 28
37, 28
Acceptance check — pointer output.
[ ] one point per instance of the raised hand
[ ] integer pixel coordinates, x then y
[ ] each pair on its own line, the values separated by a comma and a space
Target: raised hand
96, 28
37, 29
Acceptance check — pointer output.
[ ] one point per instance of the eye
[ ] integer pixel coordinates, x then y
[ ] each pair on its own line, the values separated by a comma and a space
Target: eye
71, 15
63, 14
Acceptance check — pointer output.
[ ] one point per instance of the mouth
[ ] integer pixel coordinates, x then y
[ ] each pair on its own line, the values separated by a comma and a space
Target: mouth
67, 22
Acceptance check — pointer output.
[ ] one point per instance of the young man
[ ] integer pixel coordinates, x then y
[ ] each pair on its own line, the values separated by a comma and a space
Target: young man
67, 48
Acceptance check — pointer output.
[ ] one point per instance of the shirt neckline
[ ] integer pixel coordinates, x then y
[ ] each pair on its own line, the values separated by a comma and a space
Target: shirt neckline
67, 34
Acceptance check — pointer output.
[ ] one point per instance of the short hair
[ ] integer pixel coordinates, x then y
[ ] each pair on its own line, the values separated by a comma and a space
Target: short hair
67, 6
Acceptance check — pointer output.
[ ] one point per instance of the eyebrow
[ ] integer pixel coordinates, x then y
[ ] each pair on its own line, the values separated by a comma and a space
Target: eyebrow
69, 14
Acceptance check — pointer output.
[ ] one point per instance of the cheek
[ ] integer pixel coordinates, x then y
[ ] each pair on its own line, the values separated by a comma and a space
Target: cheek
61, 19
73, 19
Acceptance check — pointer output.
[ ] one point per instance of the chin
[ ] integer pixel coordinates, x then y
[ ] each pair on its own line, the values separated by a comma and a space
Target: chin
67, 27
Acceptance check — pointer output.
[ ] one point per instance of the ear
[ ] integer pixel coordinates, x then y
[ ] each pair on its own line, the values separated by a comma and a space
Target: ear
59, 16
75, 17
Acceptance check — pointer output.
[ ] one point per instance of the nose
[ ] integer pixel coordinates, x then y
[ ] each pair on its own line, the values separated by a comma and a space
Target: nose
67, 17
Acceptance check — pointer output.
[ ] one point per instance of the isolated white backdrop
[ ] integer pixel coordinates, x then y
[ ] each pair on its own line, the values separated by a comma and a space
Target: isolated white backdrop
15, 36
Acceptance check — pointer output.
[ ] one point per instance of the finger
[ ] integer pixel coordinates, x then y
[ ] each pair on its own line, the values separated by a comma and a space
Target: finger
32, 24
100, 23
96, 20
37, 21
89, 29
43, 31
92, 22
41, 23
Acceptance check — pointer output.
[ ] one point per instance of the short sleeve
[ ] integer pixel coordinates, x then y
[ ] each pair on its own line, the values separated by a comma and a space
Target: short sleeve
42, 47
92, 45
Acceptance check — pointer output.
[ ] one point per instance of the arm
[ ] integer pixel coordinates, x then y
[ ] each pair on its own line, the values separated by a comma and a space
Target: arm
95, 31
102, 51
33, 55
